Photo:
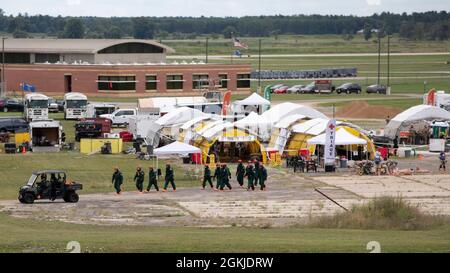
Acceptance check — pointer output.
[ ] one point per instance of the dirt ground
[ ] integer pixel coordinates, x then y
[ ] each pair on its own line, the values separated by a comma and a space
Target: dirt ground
290, 200
362, 109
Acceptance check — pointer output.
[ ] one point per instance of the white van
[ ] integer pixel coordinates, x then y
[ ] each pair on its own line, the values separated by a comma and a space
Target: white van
75, 105
36, 107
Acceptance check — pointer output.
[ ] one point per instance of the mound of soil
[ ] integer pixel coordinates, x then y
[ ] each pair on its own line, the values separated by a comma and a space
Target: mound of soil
363, 110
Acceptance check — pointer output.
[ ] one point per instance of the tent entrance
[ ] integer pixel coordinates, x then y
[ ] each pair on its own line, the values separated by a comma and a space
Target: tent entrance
232, 152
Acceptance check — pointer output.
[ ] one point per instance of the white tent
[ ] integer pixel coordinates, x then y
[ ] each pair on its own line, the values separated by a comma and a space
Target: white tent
311, 127
177, 148
282, 110
289, 121
179, 116
256, 124
342, 138
254, 99
415, 114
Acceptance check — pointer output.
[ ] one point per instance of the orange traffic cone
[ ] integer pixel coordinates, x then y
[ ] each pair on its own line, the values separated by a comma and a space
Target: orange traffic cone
24, 151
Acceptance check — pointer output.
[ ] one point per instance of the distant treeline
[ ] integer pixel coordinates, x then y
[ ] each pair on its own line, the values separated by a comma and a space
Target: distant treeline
419, 26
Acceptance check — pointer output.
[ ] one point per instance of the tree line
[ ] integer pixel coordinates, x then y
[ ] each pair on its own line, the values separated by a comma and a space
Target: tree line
430, 25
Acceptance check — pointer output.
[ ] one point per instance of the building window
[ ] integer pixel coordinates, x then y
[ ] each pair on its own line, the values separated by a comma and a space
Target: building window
175, 82
243, 81
16, 58
131, 48
151, 82
223, 81
43, 58
116, 83
200, 81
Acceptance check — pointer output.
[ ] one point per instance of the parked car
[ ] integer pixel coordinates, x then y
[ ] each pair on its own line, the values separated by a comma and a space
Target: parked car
52, 106
310, 88
375, 88
349, 88
276, 86
12, 124
295, 89
120, 116
88, 129
11, 105
60, 105
281, 90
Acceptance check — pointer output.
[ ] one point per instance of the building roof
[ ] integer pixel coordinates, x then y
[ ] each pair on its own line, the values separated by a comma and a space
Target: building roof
86, 46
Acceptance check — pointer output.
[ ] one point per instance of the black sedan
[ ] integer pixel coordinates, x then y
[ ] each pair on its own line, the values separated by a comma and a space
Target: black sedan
377, 89
349, 88
11, 105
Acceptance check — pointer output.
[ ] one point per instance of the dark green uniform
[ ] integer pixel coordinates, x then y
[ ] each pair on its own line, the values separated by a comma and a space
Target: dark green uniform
152, 180
218, 176
240, 173
226, 176
139, 180
256, 170
117, 180
169, 178
207, 177
250, 174
262, 177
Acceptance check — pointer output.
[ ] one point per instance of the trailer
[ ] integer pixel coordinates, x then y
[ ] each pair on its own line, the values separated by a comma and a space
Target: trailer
437, 98
95, 110
45, 135
140, 124
75, 105
36, 107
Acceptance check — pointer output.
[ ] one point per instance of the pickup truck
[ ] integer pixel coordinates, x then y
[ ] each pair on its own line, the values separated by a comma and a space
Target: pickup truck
120, 116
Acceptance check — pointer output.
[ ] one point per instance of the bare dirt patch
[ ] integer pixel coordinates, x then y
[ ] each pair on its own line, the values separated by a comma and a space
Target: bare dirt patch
363, 110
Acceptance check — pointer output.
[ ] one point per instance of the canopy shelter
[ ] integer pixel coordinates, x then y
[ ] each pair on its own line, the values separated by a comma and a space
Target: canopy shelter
226, 143
176, 148
417, 116
282, 110
189, 130
253, 103
282, 131
349, 143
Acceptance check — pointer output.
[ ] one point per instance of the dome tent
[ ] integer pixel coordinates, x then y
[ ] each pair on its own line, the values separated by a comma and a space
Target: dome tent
415, 115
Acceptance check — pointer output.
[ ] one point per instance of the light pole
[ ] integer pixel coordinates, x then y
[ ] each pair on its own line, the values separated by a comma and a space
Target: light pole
388, 62
3, 68
425, 86
207, 44
379, 59
259, 67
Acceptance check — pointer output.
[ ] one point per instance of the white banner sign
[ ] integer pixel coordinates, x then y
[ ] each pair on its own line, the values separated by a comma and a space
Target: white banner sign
330, 140
248, 138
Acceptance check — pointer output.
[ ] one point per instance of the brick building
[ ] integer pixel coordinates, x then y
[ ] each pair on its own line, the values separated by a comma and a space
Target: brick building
128, 67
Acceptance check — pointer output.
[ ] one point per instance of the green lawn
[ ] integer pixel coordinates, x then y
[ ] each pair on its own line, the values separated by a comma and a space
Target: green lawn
18, 235
401, 104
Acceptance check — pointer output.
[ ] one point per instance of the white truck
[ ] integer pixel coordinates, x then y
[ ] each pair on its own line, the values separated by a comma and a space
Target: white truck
140, 125
45, 135
36, 107
75, 105
121, 116
438, 98
95, 110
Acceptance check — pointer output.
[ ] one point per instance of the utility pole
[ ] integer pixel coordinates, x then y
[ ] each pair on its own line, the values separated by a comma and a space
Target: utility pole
388, 61
259, 66
379, 58
206, 53
3, 91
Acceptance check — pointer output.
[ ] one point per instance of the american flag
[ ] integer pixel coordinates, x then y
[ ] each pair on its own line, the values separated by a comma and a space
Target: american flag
237, 43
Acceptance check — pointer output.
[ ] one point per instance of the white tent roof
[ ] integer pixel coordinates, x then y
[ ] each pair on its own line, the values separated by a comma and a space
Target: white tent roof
282, 110
196, 120
415, 113
252, 119
179, 116
211, 132
254, 99
289, 120
311, 127
177, 148
342, 138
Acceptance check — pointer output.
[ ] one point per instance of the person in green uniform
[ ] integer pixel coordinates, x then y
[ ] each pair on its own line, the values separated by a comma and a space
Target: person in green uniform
262, 177
256, 170
117, 180
139, 179
226, 176
169, 178
217, 176
250, 174
207, 177
152, 179
240, 173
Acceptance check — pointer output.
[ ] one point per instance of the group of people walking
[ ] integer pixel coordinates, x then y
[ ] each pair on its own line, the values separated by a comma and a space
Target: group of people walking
254, 172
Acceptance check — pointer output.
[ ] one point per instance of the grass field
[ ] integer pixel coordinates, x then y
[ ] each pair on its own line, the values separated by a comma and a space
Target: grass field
304, 44
17, 235
399, 104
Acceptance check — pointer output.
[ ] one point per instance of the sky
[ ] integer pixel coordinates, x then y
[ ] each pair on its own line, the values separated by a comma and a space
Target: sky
218, 8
